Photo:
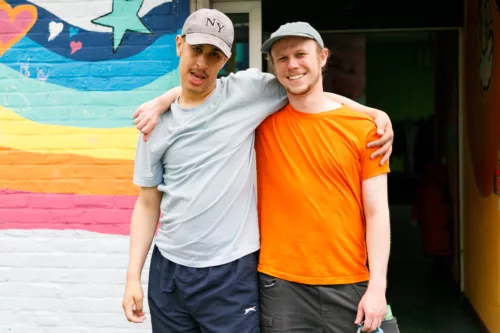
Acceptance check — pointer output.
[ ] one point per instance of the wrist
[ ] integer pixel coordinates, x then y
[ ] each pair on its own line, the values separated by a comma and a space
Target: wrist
133, 277
374, 113
377, 285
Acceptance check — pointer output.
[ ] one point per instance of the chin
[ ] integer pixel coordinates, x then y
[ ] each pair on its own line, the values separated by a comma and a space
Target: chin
299, 90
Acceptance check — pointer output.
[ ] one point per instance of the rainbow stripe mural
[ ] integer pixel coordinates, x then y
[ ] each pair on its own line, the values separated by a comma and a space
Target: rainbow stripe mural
71, 74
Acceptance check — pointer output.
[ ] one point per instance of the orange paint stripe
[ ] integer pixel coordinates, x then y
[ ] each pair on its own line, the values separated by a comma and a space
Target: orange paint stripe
65, 173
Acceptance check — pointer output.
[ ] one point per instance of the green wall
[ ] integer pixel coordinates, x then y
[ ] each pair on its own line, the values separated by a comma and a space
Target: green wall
400, 73
400, 78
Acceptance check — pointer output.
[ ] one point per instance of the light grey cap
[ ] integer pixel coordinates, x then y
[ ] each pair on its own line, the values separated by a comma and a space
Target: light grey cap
294, 29
209, 26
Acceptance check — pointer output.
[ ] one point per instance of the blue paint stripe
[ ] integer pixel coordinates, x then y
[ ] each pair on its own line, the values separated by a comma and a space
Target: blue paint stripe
33, 60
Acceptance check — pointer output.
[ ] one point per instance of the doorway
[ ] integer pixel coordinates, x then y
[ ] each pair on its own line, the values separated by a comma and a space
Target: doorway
247, 20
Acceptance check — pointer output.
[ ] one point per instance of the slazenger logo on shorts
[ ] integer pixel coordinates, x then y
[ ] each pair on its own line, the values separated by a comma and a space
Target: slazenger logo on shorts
250, 309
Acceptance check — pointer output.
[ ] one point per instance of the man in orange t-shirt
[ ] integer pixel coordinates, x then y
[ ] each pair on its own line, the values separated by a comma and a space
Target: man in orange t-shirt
323, 207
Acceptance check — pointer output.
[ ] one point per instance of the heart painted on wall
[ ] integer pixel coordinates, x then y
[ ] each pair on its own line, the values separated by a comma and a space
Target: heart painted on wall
75, 46
15, 22
55, 28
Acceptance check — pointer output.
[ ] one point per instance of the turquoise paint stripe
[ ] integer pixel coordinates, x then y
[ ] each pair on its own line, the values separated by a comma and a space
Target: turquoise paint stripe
49, 103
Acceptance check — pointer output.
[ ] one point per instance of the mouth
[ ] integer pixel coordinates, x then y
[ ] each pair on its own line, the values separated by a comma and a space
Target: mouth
197, 76
295, 77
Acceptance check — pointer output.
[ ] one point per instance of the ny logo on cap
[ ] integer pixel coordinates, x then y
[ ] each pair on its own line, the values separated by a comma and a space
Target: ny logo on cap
212, 22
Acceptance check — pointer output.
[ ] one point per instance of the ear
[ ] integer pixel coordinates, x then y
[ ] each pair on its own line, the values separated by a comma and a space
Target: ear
323, 56
224, 63
179, 42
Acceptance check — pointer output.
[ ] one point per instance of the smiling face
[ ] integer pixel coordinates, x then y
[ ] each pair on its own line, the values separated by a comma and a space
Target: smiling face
199, 66
298, 62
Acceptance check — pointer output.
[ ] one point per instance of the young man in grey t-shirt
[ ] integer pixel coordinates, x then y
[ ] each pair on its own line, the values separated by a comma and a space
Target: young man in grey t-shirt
197, 170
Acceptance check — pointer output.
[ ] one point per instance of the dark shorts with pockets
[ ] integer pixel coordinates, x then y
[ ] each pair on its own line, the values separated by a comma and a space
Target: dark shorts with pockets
219, 299
299, 308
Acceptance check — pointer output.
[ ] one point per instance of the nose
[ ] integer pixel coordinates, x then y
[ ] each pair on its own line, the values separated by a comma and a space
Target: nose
202, 62
293, 63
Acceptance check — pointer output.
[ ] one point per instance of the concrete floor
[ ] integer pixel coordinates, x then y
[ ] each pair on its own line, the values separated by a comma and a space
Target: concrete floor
421, 301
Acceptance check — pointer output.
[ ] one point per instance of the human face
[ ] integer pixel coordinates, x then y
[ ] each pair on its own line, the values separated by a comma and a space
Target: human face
297, 62
198, 66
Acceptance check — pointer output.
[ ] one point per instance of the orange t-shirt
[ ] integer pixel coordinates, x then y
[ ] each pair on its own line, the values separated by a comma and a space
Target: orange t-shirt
309, 173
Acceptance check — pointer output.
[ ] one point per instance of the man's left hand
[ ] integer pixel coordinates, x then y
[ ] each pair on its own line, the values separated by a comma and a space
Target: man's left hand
384, 129
371, 311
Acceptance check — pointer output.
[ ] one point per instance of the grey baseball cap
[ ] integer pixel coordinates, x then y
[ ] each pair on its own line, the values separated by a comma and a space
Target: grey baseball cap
209, 26
294, 29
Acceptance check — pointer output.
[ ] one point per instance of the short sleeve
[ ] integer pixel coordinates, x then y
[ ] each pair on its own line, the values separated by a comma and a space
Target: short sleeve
260, 87
371, 167
148, 163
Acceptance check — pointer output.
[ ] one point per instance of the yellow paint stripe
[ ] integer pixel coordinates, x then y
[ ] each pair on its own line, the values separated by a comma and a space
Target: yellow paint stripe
22, 134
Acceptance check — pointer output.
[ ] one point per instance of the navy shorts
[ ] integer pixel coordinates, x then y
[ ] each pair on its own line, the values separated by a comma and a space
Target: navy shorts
219, 299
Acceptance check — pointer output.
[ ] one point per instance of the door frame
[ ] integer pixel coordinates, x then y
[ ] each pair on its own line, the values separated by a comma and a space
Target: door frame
254, 11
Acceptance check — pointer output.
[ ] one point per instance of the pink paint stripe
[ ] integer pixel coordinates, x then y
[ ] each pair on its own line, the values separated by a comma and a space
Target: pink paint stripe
104, 214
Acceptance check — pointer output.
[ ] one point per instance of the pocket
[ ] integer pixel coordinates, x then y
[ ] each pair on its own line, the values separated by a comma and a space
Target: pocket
360, 288
390, 326
267, 282
266, 321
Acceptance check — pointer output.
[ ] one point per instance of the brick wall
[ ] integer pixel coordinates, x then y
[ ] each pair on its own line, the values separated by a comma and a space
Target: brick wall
71, 74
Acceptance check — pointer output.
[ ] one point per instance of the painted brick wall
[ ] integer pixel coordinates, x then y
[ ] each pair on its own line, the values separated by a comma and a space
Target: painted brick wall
71, 74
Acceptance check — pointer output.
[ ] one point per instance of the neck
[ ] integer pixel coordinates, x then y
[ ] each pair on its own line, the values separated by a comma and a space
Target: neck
190, 99
314, 101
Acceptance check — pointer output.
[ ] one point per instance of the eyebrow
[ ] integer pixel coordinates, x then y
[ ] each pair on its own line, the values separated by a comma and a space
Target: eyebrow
295, 51
215, 48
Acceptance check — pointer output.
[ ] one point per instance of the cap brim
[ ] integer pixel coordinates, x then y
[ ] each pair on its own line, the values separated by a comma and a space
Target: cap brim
198, 39
268, 44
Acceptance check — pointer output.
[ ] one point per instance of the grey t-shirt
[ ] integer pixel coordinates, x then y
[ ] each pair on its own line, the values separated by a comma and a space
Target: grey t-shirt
202, 160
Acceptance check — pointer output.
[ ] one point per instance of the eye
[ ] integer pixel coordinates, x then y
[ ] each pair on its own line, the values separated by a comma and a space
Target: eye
282, 59
215, 55
301, 54
196, 49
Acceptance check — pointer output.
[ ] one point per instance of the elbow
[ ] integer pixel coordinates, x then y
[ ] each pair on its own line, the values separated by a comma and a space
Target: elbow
378, 217
149, 198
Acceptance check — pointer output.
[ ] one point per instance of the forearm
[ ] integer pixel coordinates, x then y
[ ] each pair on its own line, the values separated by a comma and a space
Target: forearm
142, 229
378, 242
372, 112
169, 97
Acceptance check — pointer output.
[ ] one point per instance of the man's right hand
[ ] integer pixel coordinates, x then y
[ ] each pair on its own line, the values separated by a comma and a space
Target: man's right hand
133, 301
146, 116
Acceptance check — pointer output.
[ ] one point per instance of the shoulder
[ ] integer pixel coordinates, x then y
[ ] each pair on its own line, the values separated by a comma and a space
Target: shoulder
249, 76
360, 122
161, 128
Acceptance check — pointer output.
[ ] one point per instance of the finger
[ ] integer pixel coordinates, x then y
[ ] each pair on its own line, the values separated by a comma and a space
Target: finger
375, 325
131, 316
368, 324
138, 304
382, 150
140, 125
146, 137
386, 156
378, 324
149, 127
382, 124
137, 120
359, 316
387, 137
137, 112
